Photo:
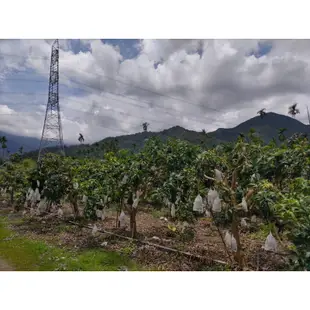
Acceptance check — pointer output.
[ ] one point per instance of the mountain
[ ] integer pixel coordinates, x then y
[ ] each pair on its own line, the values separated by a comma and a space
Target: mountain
267, 127
15, 142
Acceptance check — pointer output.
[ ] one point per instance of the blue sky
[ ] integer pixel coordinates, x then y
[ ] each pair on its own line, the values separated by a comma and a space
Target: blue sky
263, 49
128, 49
187, 86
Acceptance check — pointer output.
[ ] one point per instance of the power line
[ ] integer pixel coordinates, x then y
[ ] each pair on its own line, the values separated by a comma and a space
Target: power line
92, 114
125, 83
102, 126
46, 58
159, 108
194, 118
99, 89
148, 90
138, 87
121, 95
134, 99
42, 114
97, 116
24, 80
83, 84
116, 111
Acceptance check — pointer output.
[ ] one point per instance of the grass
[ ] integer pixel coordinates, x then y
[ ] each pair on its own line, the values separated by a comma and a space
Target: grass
157, 213
261, 233
33, 255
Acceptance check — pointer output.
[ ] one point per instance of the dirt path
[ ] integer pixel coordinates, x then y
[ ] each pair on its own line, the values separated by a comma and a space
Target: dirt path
4, 266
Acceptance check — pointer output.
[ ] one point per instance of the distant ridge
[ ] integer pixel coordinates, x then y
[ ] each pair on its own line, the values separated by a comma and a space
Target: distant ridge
15, 142
267, 127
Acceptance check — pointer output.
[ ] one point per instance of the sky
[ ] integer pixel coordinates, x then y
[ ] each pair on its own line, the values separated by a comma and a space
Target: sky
110, 87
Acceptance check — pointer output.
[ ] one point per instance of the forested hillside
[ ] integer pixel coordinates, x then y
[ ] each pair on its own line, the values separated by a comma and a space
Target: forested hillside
267, 128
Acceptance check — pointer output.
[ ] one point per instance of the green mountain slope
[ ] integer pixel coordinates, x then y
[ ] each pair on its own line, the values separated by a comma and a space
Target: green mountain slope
266, 127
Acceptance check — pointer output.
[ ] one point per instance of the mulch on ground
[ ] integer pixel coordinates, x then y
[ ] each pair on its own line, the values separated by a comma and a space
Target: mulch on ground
201, 238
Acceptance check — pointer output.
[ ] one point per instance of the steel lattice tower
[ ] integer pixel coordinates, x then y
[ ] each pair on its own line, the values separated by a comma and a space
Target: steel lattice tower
52, 129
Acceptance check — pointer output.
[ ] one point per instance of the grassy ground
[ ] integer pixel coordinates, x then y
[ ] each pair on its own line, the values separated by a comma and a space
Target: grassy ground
24, 254
48, 243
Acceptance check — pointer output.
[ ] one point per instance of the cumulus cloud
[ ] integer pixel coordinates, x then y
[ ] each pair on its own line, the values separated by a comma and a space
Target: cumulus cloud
198, 84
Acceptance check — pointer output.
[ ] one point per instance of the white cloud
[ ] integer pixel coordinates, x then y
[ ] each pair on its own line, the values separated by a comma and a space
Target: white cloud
220, 88
4, 109
157, 50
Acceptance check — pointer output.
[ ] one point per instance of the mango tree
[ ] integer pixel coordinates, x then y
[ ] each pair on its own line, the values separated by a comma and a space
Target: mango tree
133, 182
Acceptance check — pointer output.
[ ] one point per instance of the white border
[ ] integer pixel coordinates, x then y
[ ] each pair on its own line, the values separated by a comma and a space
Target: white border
153, 290
238, 19
158, 19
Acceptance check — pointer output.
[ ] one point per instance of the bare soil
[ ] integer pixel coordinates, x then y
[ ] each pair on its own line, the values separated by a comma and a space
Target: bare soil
201, 238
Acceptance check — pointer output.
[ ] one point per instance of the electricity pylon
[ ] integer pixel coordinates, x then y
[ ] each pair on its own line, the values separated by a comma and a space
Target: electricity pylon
52, 128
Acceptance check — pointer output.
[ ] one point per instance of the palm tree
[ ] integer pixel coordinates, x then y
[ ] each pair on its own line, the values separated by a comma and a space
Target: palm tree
145, 126
262, 113
292, 110
81, 138
3, 142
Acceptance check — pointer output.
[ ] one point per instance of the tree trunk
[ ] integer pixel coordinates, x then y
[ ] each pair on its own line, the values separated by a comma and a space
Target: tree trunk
235, 233
48, 206
12, 197
117, 222
221, 235
75, 208
133, 224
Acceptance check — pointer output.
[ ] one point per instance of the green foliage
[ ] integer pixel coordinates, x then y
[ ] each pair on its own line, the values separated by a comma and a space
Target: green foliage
174, 172
56, 172
14, 178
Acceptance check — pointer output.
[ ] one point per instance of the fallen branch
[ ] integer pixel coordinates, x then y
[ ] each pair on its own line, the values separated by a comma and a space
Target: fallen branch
164, 248
168, 249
